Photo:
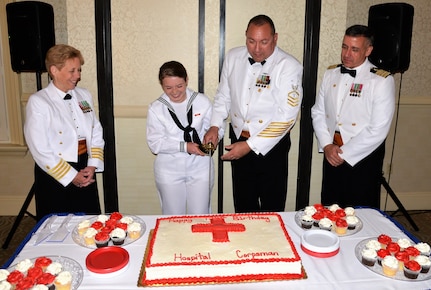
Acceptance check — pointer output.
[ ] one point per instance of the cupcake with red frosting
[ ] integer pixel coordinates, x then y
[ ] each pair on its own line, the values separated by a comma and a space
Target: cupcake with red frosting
402, 257
42, 262
14, 277
116, 216
393, 248
46, 279
341, 226
34, 272
384, 240
97, 225
412, 269
317, 216
101, 239
381, 254
413, 252
25, 283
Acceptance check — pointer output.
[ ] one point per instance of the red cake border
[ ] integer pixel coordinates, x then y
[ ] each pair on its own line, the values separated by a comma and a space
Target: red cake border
211, 280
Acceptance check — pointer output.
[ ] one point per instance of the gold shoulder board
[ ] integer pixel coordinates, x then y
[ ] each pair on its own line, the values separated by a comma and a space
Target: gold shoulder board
380, 72
334, 66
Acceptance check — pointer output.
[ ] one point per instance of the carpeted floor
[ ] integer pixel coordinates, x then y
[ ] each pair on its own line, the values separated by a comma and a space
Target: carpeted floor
421, 218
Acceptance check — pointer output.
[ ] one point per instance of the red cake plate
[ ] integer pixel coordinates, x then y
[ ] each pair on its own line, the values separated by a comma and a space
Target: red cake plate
107, 261
320, 243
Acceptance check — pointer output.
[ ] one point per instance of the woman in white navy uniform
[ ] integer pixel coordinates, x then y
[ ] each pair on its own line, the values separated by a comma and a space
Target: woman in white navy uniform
65, 138
176, 124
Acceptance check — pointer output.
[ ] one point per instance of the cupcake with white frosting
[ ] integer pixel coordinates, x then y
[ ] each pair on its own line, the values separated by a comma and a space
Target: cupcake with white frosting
83, 226
325, 224
352, 222
89, 236
425, 263
369, 257
118, 236
5, 285
3, 274
307, 221
134, 230
63, 281
404, 243
350, 211
24, 265
102, 218
373, 245
310, 210
390, 266
424, 248
54, 268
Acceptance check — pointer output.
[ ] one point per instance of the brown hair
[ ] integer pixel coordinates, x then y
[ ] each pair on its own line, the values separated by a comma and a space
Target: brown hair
58, 54
172, 69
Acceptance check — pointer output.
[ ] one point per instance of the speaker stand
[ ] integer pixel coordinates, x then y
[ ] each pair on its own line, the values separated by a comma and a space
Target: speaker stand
398, 203
19, 217
30, 194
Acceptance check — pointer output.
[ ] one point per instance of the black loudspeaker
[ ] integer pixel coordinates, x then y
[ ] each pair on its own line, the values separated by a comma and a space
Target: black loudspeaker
392, 24
31, 34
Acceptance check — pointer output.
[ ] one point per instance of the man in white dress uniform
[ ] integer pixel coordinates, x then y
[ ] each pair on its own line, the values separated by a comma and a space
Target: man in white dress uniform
351, 118
260, 90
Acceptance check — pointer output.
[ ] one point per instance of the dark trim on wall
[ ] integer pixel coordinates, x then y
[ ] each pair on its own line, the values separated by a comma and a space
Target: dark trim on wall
222, 48
201, 45
309, 81
106, 101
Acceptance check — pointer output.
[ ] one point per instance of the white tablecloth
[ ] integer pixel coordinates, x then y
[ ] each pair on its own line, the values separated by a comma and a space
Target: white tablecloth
342, 271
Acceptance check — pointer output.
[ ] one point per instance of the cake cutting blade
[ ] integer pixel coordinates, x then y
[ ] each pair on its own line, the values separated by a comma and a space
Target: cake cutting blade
45, 231
62, 232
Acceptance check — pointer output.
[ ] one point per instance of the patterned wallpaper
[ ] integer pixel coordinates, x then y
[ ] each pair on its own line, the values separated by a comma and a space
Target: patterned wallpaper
146, 33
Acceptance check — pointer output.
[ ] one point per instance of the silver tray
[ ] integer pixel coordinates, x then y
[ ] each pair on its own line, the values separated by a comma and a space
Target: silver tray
300, 213
68, 265
378, 269
79, 239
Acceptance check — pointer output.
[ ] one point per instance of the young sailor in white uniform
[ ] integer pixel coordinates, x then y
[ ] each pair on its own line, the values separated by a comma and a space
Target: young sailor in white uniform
176, 124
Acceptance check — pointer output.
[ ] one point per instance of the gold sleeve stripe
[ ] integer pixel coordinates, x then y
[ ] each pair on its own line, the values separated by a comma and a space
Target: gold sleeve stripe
275, 129
294, 102
97, 153
60, 170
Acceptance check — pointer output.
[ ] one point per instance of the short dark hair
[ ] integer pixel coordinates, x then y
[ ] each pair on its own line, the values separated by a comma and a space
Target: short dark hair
172, 69
260, 20
361, 30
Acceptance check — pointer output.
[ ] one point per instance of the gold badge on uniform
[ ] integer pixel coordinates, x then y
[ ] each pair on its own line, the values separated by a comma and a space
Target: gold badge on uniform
355, 90
293, 96
85, 106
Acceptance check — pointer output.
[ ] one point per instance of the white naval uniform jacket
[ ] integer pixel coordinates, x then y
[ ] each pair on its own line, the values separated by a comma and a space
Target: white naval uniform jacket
51, 133
361, 108
264, 100
164, 136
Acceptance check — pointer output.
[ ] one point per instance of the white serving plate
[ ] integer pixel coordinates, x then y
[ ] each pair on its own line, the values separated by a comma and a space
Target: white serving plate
320, 243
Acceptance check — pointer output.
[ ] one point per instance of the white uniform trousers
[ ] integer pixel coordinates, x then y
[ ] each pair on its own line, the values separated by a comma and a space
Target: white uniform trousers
184, 183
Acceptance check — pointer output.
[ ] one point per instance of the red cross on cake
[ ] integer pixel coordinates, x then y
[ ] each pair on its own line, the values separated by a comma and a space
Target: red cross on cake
219, 229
